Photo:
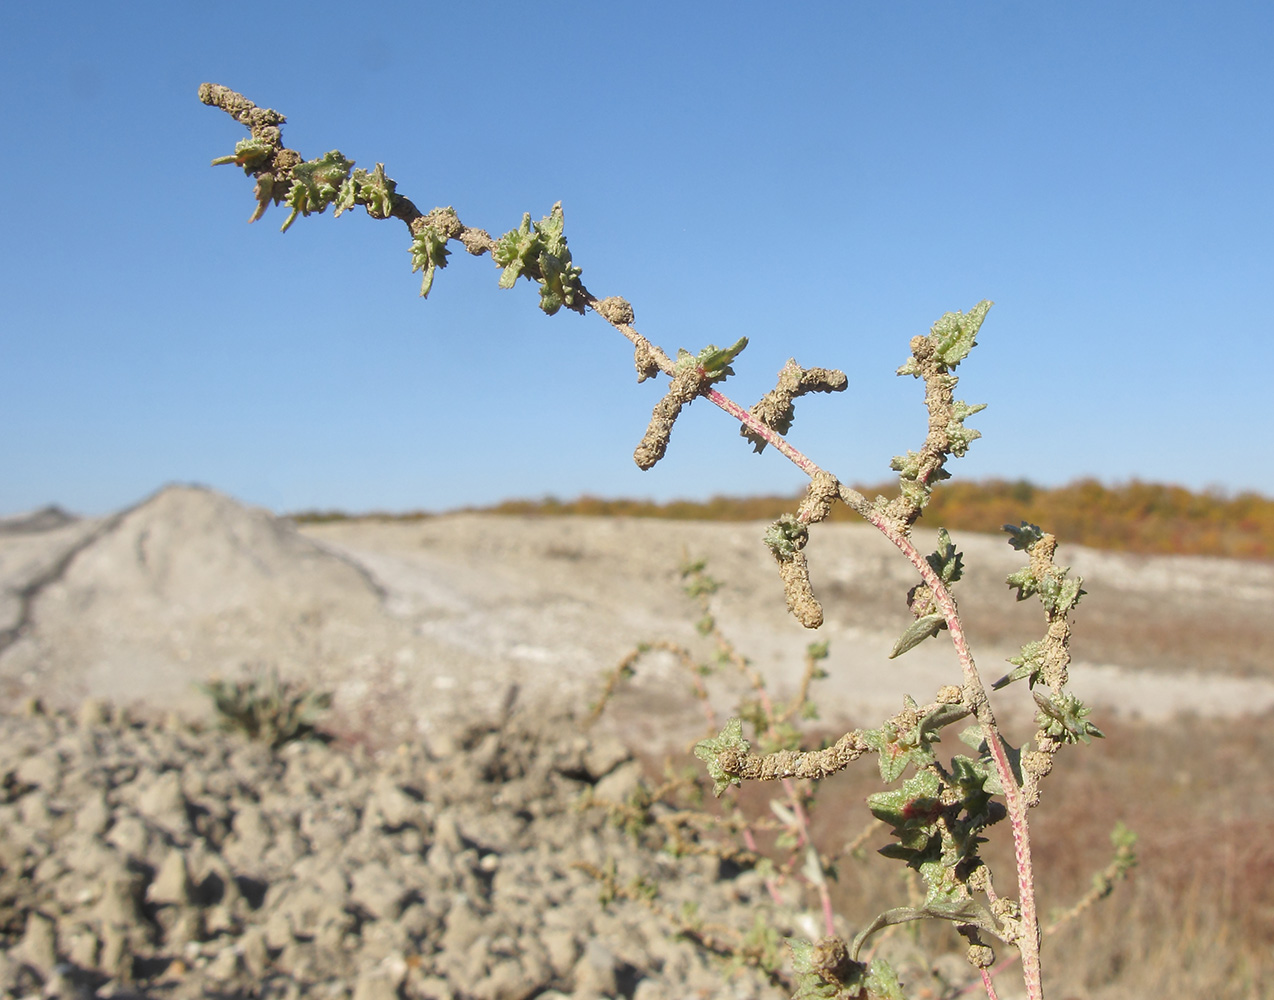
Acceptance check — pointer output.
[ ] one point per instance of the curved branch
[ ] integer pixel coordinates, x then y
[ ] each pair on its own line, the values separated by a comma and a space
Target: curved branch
265, 157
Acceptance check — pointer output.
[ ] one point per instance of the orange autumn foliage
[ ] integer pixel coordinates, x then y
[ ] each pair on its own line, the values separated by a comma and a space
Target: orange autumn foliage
1149, 518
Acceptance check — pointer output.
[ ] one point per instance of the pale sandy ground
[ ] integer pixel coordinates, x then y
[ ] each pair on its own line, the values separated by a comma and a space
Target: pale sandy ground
417, 624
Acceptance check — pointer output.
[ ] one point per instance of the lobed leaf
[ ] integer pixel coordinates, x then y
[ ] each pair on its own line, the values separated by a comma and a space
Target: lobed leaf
953, 336
709, 750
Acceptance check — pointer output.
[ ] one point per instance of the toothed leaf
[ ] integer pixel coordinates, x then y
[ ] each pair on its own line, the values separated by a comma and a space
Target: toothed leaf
946, 561
953, 336
1024, 537
730, 738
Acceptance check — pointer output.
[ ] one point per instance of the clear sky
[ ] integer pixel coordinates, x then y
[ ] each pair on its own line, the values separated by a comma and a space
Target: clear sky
826, 179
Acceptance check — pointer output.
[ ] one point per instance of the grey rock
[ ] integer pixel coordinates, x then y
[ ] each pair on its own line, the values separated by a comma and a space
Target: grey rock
594, 974
42, 772
67, 983
250, 838
163, 802
225, 966
390, 806
130, 834
93, 815
464, 927
562, 948
38, 947
116, 956
317, 873
376, 986
507, 980
172, 881
604, 753
620, 783
377, 891
256, 953
120, 902
34, 809
94, 712
82, 946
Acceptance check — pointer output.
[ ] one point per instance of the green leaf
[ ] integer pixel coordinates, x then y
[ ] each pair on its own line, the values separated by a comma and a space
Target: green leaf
907, 466
786, 536
960, 437
730, 738
316, 184
946, 561
1025, 581
929, 727
247, 154
920, 630
882, 982
962, 911
893, 757
713, 361
514, 250
428, 253
1028, 663
1065, 717
914, 805
1024, 537
716, 362
953, 336
374, 191
538, 251
1058, 593
973, 736
972, 778
811, 983
551, 230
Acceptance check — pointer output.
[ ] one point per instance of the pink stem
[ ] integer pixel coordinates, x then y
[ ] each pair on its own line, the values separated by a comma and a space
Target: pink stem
1029, 940
758, 428
771, 883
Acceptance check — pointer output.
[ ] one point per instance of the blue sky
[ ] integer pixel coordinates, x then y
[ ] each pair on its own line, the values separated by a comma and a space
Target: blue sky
825, 179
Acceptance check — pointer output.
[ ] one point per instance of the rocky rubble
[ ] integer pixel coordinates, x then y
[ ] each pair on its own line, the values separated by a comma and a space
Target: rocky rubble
155, 860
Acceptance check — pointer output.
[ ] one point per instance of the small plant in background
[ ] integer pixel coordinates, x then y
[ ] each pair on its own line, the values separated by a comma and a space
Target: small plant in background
941, 805
671, 816
267, 709
775, 838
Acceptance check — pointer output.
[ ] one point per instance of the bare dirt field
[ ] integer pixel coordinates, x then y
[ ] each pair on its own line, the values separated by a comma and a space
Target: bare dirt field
414, 625
417, 855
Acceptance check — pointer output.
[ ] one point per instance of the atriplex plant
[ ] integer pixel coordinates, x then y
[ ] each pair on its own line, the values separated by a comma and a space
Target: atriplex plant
937, 814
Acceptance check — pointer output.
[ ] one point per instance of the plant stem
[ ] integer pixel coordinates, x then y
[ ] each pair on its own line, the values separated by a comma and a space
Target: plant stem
264, 125
1028, 941
757, 427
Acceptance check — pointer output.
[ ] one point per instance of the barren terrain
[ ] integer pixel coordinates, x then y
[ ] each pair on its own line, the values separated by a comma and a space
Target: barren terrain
432, 850
417, 624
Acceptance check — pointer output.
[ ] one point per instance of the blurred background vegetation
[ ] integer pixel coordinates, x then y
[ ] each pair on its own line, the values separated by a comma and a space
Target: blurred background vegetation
1146, 518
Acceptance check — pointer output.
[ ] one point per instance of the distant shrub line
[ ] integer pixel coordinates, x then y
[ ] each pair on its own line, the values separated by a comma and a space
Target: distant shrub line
1137, 517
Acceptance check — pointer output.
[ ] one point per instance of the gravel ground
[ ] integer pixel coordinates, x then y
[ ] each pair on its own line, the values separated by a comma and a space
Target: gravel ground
430, 850
153, 860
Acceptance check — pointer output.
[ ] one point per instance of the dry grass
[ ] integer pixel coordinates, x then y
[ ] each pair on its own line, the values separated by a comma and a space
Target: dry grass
1195, 919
